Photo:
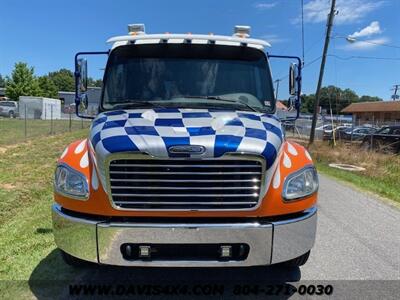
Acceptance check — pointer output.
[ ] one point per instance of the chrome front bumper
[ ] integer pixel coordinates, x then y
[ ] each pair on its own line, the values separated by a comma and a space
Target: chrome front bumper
100, 241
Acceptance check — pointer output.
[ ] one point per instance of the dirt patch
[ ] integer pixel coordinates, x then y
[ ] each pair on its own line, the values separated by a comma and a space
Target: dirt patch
3, 149
377, 165
7, 186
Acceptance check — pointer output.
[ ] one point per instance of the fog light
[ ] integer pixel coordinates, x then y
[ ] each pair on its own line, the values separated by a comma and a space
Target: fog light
226, 251
144, 251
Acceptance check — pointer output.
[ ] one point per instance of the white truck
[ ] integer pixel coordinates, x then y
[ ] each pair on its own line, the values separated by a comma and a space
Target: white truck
186, 163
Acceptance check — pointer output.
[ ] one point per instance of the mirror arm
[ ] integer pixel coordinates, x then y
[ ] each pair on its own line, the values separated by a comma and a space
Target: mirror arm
77, 76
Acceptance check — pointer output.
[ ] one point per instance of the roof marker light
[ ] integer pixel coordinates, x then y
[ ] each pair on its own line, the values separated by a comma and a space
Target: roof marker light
242, 31
135, 29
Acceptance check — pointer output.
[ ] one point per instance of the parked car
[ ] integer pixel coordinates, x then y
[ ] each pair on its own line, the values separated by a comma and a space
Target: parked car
387, 139
9, 109
357, 133
327, 128
325, 131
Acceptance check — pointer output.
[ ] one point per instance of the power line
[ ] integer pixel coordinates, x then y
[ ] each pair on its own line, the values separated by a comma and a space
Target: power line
313, 61
305, 66
362, 57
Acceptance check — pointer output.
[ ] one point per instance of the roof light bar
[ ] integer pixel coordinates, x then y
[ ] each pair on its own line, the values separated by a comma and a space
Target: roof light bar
211, 38
242, 31
135, 29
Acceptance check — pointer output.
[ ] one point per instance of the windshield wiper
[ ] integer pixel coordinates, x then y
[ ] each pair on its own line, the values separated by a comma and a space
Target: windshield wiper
137, 104
223, 100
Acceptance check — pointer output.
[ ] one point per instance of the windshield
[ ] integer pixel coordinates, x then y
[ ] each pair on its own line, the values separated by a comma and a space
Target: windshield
186, 75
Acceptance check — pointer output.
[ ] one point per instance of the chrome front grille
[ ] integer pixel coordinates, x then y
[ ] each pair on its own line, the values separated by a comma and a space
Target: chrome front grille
185, 184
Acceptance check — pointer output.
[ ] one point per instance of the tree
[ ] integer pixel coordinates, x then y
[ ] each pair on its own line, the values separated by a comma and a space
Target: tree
63, 79
366, 98
307, 103
22, 82
331, 97
95, 82
336, 99
47, 87
2, 82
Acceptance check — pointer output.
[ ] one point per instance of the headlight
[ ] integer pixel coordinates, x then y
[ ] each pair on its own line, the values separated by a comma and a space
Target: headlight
71, 183
300, 184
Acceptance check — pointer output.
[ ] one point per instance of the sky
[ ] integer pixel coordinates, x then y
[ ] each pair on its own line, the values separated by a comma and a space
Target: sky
46, 34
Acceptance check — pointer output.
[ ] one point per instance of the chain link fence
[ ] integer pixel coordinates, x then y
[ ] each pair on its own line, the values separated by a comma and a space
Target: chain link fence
381, 136
32, 122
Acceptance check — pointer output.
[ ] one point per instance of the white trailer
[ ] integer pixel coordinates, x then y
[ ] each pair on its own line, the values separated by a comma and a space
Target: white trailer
39, 108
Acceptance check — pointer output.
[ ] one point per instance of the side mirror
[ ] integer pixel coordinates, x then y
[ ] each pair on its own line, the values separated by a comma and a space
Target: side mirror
294, 102
87, 99
293, 74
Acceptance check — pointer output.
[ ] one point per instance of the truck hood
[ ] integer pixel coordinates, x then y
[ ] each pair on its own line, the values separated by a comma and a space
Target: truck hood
155, 131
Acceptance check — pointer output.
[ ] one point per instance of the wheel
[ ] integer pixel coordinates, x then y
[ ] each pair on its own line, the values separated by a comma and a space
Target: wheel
73, 261
298, 261
11, 114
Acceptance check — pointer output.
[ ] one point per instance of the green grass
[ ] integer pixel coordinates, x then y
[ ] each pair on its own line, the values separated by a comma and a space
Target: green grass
384, 188
381, 175
12, 131
26, 239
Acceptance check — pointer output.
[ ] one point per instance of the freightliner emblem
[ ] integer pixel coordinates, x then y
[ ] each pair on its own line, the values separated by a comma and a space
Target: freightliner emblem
187, 149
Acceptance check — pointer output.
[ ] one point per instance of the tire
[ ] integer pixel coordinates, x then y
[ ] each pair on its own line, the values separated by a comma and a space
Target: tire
73, 261
11, 115
298, 261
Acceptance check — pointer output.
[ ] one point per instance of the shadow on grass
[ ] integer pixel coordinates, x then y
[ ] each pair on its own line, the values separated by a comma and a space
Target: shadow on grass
52, 279
43, 230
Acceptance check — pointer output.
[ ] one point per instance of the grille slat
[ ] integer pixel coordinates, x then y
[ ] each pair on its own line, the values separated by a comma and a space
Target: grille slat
195, 184
181, 166
183, 195
183, 203
184, 173
254, 188
185, 180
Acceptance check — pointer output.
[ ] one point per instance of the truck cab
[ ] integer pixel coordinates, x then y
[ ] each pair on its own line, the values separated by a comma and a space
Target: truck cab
186, 163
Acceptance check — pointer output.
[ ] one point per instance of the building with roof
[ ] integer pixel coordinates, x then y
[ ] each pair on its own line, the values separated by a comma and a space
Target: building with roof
374, 112
280, 105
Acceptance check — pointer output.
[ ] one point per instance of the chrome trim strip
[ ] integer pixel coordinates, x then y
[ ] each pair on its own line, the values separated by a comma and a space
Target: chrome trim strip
186, 173
184, 180
184, 166
119, 187
184, 195
226, 156
183, 203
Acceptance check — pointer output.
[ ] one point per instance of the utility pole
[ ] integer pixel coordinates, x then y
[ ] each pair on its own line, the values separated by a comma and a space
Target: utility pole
395, 89
277, 88
321, 71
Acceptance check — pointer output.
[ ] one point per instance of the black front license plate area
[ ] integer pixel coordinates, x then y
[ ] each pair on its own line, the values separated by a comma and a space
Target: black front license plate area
184, 252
